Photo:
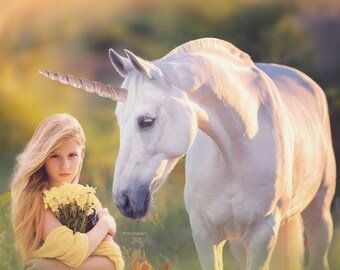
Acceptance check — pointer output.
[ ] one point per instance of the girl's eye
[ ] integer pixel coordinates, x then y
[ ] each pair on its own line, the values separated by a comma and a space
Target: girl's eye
73, 155
54, 156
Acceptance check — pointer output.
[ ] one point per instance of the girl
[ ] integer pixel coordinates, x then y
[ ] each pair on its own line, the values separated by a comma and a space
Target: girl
52, 157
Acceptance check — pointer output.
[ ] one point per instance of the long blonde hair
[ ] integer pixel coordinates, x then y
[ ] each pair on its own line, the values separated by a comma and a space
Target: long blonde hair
29, 178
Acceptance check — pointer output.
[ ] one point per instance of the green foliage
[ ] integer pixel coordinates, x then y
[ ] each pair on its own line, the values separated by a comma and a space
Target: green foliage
9, 258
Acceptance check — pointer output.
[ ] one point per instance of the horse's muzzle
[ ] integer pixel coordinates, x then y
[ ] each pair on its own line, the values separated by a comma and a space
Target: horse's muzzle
134, 203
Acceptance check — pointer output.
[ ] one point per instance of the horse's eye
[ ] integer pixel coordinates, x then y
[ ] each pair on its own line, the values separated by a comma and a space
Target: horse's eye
145, 122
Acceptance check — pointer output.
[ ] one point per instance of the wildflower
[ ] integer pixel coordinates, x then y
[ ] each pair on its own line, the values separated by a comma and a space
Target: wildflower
144, 265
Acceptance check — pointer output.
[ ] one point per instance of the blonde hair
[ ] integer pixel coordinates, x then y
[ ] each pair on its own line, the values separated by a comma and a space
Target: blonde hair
29, 178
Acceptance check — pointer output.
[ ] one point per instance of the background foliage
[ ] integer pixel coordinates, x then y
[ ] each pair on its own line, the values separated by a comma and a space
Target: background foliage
74, 37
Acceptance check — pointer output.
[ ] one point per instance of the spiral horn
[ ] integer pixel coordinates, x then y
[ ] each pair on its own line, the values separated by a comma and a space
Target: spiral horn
103, 90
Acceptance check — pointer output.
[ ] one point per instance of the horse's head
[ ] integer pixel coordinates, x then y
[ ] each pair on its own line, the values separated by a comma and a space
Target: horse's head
157, 126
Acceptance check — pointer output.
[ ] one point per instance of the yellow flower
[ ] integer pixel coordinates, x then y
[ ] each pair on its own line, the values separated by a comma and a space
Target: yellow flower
72, 203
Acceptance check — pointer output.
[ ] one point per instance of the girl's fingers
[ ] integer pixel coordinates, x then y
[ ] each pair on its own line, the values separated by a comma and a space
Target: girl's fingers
103, 212
28, 264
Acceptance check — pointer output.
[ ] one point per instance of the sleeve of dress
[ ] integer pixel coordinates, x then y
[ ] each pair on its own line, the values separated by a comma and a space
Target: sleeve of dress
64, 245
112, 251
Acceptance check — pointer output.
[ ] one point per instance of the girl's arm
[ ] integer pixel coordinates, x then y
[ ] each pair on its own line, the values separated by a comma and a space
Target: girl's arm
106, 225
104, 230
91, 263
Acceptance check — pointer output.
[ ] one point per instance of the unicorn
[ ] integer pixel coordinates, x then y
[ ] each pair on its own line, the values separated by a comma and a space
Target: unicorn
260, 166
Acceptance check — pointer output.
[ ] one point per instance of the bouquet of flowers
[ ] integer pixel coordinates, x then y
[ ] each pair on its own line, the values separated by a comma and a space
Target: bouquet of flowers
74, 205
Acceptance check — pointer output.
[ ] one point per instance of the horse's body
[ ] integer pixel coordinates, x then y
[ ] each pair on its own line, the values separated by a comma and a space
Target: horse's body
258, 146
279, 171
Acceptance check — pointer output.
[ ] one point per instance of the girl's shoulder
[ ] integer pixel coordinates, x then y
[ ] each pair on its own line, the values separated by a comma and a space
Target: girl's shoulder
50, 223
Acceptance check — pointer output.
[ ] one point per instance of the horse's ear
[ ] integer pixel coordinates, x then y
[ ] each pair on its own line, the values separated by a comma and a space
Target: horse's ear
121, 64
147, 68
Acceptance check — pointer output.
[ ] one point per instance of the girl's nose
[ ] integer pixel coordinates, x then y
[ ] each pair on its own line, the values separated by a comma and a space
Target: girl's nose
65, 164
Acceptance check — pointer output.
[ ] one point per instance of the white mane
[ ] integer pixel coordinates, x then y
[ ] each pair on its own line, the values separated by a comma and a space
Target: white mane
211, 44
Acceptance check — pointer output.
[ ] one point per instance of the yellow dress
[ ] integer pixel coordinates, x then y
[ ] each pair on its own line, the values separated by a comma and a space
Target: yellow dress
71, 248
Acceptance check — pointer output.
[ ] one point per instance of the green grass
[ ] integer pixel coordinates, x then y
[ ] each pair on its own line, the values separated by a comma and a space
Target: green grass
164, 236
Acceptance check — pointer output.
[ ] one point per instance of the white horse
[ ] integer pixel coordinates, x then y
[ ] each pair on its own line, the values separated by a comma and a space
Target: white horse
258, 150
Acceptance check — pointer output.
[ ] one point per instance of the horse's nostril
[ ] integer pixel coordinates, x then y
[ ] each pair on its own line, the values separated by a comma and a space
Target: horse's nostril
126, 201
127, 205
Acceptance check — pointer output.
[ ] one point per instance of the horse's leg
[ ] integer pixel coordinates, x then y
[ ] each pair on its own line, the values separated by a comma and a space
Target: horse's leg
200, 193
289, 248
260, 243
319, 228
317, 218
206, 240
239, 252
205, 249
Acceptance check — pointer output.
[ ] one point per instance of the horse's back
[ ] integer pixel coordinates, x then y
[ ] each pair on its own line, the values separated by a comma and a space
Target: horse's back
303, 101
305, 105
300, 94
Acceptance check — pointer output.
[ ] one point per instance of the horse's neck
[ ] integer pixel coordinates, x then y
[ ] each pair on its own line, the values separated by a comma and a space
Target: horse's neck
231, 106
223, 124
228, 91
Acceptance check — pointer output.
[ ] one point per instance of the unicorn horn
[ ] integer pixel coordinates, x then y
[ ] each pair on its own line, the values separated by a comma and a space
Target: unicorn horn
103, 90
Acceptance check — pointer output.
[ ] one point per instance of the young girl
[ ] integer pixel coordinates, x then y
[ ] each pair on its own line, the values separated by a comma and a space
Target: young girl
52, 157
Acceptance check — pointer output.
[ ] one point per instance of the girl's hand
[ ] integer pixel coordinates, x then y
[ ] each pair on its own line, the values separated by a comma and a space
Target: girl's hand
104, 216
108, 238
43, 264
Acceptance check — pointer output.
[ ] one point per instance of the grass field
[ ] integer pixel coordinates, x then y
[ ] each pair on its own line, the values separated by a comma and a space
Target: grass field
164, 239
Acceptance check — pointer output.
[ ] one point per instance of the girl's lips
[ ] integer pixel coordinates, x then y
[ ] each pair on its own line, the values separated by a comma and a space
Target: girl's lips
64, 174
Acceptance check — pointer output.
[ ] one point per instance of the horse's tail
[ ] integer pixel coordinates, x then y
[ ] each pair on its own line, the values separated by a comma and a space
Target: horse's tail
289, 250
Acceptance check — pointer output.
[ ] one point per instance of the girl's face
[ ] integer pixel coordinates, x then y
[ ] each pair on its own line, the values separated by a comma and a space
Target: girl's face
63, 164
